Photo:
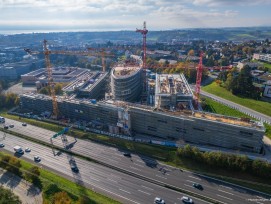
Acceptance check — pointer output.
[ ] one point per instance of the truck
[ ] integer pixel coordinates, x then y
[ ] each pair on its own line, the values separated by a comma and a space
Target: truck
18, 150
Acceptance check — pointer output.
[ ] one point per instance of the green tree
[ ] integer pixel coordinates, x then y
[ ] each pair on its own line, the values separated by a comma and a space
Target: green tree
32, 174
14, 166
6, 196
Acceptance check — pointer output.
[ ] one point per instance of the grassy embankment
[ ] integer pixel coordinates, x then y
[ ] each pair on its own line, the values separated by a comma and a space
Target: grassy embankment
260, 106
167, 154
52, 183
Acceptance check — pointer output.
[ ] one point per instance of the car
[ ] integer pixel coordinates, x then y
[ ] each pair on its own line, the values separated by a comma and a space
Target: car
127, 154
2, 145
27, 149
73, 165
37, 159
186, 199
24, 124
198, 186
5, 126
11, 125
158, 200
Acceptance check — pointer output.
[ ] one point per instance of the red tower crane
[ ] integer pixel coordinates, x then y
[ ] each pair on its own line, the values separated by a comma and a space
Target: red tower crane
198, 81
144, 32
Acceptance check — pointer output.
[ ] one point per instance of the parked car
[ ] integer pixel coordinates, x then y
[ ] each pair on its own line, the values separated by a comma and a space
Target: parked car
186, 199
27, 149
37, 159
158, 200
24, 124
2, 145
198, 186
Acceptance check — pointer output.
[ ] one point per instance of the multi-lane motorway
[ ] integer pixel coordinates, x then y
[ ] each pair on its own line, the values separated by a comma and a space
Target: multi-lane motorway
146, 167
120, 186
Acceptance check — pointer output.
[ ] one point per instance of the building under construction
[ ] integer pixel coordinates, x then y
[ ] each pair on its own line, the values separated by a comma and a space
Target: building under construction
181, 125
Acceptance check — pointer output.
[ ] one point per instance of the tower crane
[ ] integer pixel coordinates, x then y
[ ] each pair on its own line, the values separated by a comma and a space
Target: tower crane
144, 32
198, 80
47, 53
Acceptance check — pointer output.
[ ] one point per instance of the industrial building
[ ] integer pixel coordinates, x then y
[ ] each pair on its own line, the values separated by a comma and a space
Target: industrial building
12, 71
59, 74
126, 82
89, 85
120, 117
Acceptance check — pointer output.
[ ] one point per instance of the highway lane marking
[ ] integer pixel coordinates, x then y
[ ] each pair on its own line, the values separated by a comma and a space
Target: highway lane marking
160, 176
225, 192
112, 180
95, 179
190, 181
226, 187
223, 196
115, 176
115, 194
259, 202
188, 185
134, 168
147, 187
138, 165
194, 177
144, 192
117, 154
124, 191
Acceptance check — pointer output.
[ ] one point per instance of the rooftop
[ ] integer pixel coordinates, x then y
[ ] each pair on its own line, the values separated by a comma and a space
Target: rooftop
121, 70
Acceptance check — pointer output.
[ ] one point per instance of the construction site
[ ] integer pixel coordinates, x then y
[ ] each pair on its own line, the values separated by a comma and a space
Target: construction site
170, 110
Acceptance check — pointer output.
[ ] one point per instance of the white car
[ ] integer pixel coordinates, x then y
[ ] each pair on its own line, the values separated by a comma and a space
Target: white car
27, 149
159, 201
186, 199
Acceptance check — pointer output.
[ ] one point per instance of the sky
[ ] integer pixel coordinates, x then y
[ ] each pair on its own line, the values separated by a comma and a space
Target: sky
107, 15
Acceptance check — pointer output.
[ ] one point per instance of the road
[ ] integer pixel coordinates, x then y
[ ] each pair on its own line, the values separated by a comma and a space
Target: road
120, 186
238, 107
145, 166
27, 192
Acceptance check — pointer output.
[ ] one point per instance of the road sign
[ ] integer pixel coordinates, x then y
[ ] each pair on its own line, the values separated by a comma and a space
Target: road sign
66, 129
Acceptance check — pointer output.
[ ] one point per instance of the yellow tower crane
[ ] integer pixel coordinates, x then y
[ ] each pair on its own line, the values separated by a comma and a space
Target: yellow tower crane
94, 52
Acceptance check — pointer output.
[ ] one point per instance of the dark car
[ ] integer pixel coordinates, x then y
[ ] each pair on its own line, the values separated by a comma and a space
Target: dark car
37, 159
6, 127
198, 186
11, 125
2, 145
24, 124
73, 165
127, 154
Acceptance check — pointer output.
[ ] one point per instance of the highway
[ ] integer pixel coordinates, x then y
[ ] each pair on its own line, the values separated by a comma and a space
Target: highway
120, 186
145, 166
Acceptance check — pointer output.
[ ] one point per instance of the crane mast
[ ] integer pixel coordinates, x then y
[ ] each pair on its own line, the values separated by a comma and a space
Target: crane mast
50, 78
198, 81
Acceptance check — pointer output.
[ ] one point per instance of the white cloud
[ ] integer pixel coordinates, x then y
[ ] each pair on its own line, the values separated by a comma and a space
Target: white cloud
215, 3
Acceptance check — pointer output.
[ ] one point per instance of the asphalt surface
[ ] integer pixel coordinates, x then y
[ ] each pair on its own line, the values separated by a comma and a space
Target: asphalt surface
145, 166
27, 192
120, 186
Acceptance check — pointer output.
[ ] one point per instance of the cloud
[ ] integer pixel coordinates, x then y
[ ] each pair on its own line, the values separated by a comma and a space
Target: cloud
218, 3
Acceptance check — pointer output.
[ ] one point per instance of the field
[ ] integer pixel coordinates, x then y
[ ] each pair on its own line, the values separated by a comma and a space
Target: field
260, 106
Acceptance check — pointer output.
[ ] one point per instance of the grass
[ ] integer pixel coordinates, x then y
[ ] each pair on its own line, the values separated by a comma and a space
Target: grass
168, 154
49, 179
260, 106
265, 64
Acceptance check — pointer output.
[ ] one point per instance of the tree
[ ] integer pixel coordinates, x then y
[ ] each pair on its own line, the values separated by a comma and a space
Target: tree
6, 196
14, 166
61, 198
33, 174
